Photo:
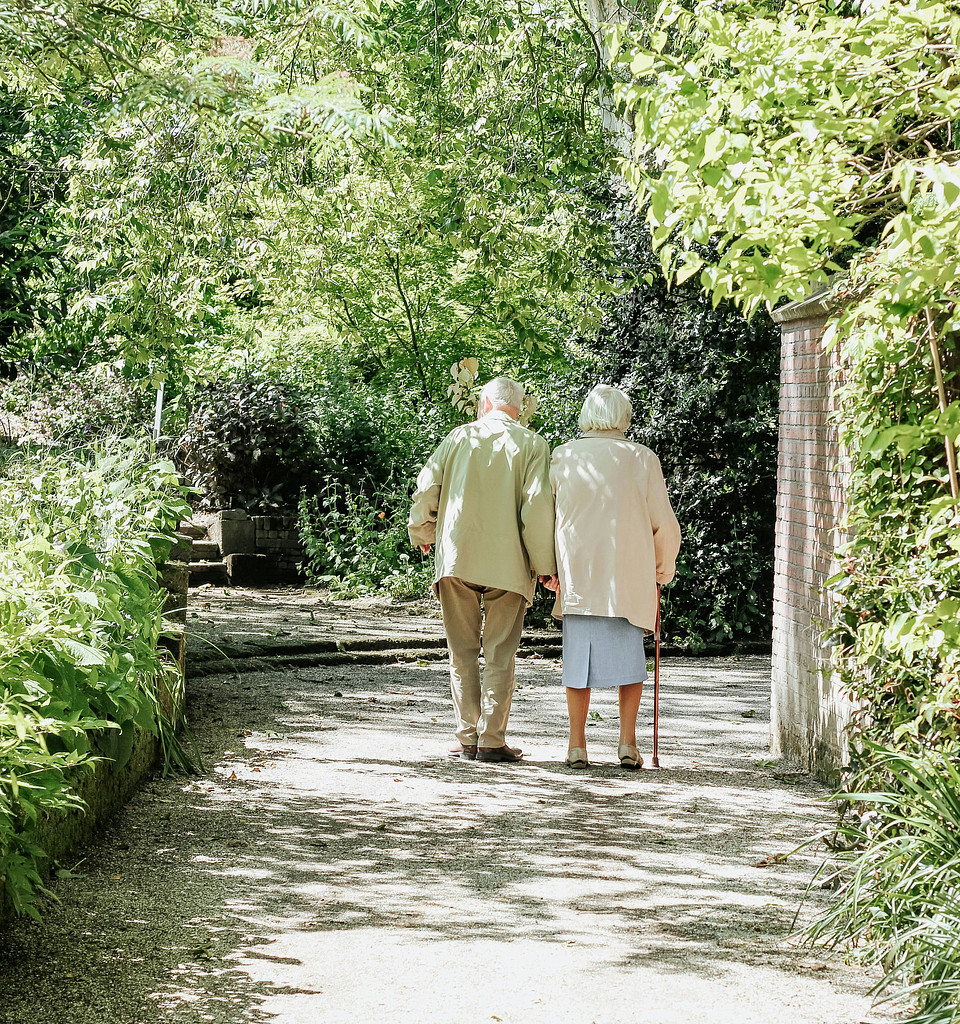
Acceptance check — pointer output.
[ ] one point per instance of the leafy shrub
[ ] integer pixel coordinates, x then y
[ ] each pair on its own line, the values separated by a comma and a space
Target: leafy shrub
256, 440
357, 545
371, 438
899, 900
704, 385
250, 443
83, 405
80, 615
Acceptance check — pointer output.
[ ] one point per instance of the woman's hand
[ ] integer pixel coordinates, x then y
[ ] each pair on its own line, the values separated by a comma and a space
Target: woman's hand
551, 582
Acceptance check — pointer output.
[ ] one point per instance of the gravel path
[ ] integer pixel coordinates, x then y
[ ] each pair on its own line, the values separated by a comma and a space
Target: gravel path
336, 866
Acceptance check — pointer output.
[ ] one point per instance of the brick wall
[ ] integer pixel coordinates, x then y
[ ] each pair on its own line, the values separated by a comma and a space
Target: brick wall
808, 713
278, 537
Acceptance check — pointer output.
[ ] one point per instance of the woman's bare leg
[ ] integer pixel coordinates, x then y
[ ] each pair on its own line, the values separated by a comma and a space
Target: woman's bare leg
629, 709
578, 703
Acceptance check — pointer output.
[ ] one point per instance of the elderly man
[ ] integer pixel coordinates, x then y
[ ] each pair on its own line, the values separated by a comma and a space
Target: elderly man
484, 499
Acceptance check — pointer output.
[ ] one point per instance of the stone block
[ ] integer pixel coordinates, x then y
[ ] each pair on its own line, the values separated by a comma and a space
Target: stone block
234, 535
247, 570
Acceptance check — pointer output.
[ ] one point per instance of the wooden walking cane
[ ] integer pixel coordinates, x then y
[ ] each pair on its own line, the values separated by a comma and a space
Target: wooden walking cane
656, 684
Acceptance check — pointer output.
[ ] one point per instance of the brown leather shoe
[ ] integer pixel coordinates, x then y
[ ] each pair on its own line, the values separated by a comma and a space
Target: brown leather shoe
499, 755
466, 752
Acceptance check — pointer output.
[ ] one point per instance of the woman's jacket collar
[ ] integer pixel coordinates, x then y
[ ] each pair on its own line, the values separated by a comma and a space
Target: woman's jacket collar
615, 435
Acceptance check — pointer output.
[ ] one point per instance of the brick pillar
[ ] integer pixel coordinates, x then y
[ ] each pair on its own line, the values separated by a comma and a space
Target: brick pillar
808, 713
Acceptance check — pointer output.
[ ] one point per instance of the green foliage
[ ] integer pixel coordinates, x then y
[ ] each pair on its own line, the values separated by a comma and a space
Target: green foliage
789, 135
353, 524
258, 438
404, 179
896, 633
80, 615
899, 885
33, 138
78, 407
163, 186
801, 139
249, 443
704, 386
470, 233
359, 545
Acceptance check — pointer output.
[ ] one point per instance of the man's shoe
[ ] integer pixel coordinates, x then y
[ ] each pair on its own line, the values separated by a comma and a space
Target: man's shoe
499, 755
465, 752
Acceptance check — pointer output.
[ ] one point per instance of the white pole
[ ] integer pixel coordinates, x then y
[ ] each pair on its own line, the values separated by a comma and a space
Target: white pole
156, 416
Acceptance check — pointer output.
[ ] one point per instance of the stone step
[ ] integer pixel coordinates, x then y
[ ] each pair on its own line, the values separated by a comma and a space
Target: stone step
208, 572
205, 551
192, 529
182, 549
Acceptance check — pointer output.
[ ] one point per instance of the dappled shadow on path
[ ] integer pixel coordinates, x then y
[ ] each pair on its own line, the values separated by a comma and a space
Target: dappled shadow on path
331, 822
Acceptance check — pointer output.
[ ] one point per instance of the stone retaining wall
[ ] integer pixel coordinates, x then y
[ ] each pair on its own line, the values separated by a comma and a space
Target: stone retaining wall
258, 549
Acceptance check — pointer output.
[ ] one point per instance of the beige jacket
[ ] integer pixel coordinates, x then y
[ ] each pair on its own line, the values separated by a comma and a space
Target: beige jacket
484, 500
617, 536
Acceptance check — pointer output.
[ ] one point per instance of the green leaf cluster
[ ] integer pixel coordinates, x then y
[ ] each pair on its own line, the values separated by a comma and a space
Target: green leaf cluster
793, 136
80, 616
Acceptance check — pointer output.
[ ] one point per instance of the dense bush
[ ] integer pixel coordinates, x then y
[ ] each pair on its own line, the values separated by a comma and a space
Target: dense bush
80, 615
355, 544
353, 526
704, 386
250, 443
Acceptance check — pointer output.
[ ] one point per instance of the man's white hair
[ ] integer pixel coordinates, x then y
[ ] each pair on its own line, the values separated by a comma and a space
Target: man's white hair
502, 391
606, 408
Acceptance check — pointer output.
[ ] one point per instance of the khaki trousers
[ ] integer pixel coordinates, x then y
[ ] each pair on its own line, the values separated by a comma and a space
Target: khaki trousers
481, 710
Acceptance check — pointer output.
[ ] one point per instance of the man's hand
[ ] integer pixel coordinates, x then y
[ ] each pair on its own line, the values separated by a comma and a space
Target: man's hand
425, 548
551, 582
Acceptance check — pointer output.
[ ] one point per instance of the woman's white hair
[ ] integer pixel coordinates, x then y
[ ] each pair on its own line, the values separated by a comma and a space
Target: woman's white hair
605, 408
502, 391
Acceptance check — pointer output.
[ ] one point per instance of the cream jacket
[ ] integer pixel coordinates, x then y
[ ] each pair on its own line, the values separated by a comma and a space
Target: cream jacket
484, 500
616, 534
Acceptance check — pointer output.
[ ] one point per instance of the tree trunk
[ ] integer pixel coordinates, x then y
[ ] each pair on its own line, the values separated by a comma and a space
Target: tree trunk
603, 13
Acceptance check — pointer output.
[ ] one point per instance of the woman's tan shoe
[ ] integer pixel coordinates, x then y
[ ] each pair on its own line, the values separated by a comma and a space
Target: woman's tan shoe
629, 756
577, 757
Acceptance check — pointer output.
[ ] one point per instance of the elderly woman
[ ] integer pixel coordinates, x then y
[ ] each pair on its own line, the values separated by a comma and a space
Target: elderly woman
617, 539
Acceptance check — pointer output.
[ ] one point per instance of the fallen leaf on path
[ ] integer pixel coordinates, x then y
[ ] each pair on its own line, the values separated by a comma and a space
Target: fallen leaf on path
774, 858
748, 714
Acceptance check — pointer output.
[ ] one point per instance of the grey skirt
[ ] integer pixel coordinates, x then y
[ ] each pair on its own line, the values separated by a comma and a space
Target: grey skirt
600, 651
